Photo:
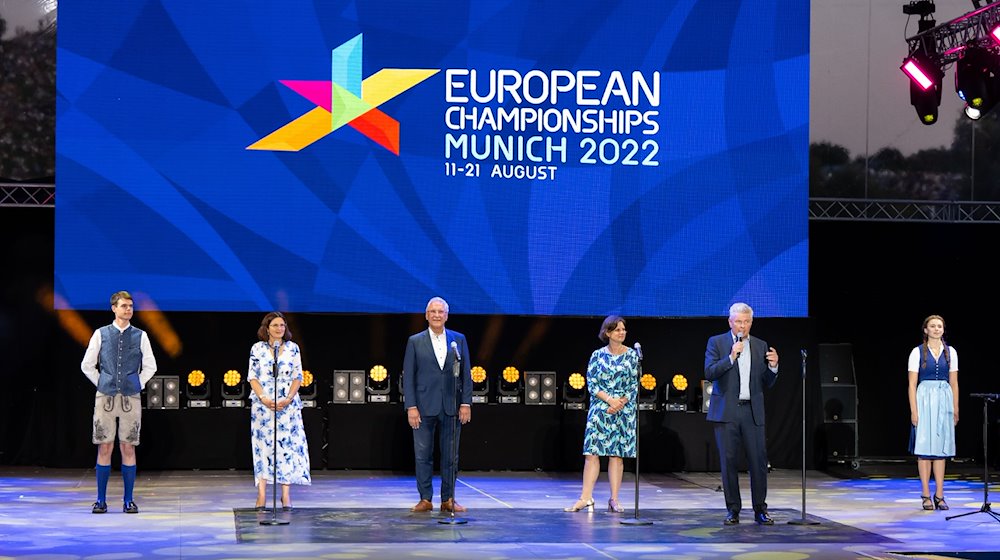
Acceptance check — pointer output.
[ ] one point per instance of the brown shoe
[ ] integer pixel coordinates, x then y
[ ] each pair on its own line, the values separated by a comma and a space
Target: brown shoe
422, 506
451, 505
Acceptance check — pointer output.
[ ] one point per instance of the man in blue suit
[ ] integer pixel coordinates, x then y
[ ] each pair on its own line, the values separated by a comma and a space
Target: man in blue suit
436, 375
740, 367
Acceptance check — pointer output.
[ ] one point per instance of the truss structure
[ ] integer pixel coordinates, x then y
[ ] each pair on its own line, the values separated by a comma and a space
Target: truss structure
873, 210
944, 44
820, 209
25, 194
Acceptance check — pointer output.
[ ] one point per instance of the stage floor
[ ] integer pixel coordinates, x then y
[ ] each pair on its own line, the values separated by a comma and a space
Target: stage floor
364, 514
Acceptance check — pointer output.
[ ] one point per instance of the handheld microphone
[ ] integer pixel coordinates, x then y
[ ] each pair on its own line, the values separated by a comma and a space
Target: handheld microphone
454, 346
739, 338
638, 350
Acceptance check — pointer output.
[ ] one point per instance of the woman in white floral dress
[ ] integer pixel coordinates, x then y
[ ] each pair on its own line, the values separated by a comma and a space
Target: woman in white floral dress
293, 450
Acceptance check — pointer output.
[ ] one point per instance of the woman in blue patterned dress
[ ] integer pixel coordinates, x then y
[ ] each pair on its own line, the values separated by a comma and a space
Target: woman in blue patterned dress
613, 383
293, 450
933, 392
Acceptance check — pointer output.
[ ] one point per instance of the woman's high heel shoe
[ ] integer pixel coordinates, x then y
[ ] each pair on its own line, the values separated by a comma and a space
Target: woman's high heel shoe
613, 506
582, 504
926, 503
939, 503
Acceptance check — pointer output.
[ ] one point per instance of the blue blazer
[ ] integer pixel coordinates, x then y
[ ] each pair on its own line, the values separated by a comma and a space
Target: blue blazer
725, 378
429, 387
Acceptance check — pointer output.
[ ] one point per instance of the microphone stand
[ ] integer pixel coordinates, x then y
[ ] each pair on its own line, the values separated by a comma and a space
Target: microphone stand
456, 369
803, 520
635, 519
985, 508
274, 458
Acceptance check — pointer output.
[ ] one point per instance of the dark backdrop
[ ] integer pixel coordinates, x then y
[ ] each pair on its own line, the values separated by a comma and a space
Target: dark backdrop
871, 285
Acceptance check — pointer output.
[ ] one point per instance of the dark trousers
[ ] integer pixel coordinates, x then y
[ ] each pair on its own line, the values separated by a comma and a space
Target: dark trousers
423, 454
732, 438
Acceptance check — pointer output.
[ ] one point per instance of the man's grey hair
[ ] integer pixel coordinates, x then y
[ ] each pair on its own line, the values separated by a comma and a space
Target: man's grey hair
738, 308
436, 299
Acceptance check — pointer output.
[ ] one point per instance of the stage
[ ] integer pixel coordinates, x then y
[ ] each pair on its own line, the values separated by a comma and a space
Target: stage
364, 514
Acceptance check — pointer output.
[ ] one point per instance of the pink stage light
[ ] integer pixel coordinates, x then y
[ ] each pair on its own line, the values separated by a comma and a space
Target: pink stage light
995, 34
917, 74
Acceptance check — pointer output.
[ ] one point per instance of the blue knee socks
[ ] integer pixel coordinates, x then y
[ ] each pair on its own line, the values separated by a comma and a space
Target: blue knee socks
103, 473
128, 478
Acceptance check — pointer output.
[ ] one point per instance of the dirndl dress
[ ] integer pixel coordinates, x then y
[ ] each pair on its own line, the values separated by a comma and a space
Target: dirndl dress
934, 435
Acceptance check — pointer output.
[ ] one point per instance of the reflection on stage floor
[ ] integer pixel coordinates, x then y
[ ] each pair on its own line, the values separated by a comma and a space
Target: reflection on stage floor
365, 514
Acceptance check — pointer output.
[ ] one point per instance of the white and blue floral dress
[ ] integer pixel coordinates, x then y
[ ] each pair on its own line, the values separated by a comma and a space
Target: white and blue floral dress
611, 435
293, 449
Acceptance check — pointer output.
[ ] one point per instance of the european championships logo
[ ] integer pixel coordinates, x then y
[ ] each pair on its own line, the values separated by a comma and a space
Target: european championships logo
345, 100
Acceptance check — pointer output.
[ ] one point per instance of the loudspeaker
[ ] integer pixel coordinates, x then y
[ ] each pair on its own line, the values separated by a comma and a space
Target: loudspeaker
841, 440
539, 387
348, 386
836, 364
839, 403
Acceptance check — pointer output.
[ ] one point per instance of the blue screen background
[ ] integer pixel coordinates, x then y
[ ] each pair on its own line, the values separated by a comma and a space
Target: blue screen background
158, 101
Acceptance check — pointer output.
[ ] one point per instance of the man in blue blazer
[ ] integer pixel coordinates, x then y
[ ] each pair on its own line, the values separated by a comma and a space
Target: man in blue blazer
437, 385
740, 367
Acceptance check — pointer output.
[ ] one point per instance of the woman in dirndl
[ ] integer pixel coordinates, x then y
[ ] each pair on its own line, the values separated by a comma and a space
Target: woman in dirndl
933, 393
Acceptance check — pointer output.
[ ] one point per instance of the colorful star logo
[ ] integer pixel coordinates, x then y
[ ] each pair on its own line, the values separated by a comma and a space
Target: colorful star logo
346, 100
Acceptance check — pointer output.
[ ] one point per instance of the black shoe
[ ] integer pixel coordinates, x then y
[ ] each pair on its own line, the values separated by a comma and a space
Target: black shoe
762, 518
130, 507
732, 518
100, 507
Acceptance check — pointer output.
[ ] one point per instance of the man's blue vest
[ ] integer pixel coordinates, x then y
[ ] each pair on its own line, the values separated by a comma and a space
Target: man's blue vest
119, 361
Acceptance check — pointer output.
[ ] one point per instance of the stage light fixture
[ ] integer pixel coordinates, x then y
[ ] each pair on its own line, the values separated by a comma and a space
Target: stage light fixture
349, 386
925, 87
154, 393
706, 395
976, 80
163, 391
197, 389
575, 392
234, 389
648, 392
307, 389
995, 34
921, 71
539, 387
510, 385
378, 384
677, 394
480, 385
171, 391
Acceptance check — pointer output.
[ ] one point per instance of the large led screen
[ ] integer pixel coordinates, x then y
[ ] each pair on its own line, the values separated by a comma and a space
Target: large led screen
516, 157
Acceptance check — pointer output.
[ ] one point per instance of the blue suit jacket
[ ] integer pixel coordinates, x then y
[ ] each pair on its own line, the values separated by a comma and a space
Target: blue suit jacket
429, 387
725, 378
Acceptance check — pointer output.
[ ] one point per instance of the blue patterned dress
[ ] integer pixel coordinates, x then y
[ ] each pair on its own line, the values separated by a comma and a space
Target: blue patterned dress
611, 435
934, 435
293, 450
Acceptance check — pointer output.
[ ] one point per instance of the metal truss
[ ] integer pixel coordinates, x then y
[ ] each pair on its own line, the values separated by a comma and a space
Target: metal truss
24, 194
949, 39
873, 210
820, 209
